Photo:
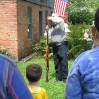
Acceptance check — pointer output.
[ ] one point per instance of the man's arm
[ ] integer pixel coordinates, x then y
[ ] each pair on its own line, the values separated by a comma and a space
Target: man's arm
55, 19
58, 20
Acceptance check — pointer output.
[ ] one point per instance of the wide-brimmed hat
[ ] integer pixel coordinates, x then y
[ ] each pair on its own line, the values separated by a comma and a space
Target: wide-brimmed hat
55, 14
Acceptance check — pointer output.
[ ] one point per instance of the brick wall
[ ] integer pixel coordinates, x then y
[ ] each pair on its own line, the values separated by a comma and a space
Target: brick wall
14, 25
8, 26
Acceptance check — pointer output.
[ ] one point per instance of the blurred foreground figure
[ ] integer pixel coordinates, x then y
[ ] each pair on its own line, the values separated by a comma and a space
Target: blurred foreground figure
83, 78
12, 85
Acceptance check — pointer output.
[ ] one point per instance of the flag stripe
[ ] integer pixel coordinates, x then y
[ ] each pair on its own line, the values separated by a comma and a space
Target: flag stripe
60, 7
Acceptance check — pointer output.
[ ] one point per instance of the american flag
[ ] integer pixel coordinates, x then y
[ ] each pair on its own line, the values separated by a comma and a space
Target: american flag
60, 7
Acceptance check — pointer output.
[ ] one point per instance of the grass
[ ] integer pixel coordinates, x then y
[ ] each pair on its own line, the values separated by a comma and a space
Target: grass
54, 90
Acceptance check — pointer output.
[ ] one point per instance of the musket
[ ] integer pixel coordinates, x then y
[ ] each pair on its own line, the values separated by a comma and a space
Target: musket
47, 59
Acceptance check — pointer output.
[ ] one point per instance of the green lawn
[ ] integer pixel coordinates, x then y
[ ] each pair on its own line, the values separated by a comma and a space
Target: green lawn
54, 90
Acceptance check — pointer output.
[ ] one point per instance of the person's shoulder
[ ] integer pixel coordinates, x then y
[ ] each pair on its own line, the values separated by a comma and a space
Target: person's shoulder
84, 55
43, 89
87, 55
90, 52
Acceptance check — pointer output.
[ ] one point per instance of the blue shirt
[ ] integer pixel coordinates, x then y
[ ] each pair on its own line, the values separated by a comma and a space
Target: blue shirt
83, 78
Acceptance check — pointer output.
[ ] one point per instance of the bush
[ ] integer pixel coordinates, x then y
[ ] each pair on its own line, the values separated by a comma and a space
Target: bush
5, 52
76, 43
40, 47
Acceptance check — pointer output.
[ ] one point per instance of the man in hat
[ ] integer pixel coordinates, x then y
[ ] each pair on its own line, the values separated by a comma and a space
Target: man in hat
57, 35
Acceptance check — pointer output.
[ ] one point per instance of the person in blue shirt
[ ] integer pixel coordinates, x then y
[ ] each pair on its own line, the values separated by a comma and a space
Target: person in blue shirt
83, 77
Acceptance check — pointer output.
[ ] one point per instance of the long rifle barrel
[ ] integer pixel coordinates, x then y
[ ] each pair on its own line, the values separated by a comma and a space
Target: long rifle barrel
47, 59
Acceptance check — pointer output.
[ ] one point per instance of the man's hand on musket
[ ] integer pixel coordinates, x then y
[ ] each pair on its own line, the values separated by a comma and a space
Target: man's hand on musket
47, 27
46, 31
48, 18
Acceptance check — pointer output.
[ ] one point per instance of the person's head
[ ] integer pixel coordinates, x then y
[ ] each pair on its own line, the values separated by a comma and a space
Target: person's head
54, 15
95, 29
96, 20
33, 72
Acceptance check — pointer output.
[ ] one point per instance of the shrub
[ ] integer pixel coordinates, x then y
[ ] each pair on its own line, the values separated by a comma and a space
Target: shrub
5, 52
76, 43
40, 47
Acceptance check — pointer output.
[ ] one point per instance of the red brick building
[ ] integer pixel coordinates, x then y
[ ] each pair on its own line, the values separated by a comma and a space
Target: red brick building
21, 23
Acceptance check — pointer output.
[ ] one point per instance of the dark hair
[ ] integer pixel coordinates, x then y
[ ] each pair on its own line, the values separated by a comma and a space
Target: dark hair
96, 19
33, 72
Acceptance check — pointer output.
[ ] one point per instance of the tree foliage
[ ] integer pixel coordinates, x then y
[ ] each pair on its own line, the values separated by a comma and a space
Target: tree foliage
79, 17
77, 5
80, 11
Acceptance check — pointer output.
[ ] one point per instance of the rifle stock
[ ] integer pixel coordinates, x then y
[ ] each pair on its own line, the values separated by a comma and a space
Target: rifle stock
47, 64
